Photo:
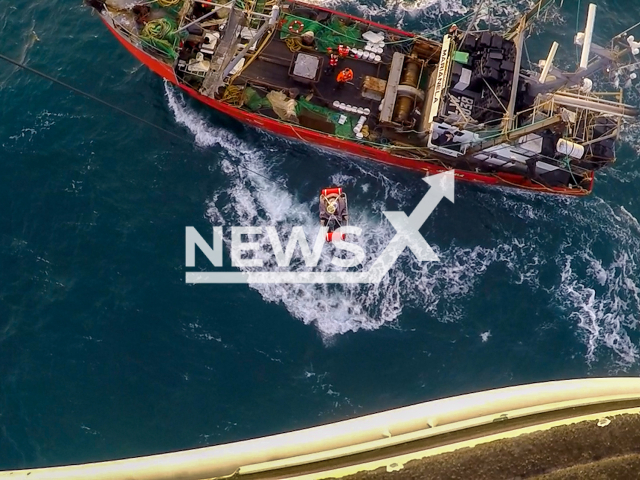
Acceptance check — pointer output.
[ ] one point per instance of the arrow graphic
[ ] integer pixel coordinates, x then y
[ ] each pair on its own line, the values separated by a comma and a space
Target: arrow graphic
407, 228
407, 235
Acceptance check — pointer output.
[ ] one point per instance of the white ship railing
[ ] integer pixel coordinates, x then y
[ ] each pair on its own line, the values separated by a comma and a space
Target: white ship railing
532, 405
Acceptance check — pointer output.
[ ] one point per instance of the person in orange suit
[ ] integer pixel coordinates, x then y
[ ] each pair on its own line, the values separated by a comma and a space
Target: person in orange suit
333, 61
344, 76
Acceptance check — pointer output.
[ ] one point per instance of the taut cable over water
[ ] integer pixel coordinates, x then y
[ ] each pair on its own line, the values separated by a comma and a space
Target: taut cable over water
112, 106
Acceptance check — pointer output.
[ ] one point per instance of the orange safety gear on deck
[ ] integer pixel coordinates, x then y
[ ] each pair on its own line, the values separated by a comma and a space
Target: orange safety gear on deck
296, 27
345, 75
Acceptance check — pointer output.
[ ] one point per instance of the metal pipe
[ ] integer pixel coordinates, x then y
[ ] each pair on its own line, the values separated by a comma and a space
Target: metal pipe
572, 79
549, 62
508, 121
242, 53
206, 15
588, 36
261, 15
600, 139
515, 134
204, 2
600, 106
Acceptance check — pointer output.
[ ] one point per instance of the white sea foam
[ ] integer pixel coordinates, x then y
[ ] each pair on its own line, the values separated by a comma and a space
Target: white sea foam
89, 430
398, 8
631, 135
42, 122
251, 199
596, 248
633, 219
435, 14
603, 314
599, 294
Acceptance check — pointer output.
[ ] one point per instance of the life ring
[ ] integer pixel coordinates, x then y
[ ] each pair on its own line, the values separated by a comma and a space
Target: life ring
296, 27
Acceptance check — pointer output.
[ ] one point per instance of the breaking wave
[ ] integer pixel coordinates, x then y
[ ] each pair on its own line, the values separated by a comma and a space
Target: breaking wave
589, 249
599, 282
595, 249
429, 17
251, 199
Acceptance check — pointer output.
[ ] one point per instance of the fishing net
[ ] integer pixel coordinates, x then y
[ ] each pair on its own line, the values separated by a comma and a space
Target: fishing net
326, 36
346, 129
253, 100
283, 106
162, 35
304, 104
337, 33
172, 6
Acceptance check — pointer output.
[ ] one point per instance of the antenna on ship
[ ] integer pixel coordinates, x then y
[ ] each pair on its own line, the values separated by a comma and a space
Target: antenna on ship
552, 79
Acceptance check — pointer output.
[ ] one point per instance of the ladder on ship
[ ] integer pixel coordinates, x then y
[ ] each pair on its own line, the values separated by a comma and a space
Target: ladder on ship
225, 51
244, 12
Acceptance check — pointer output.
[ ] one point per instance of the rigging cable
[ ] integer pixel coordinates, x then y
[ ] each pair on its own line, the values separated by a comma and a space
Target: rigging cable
173, 134
114, 107
578, 29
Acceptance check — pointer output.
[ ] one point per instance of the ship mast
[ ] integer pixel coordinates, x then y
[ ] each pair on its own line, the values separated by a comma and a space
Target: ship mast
517, 34
508, 120
228, 57
553, 84
605, 58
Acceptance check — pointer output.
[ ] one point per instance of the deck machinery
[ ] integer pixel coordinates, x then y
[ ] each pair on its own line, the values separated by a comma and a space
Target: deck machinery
467, 103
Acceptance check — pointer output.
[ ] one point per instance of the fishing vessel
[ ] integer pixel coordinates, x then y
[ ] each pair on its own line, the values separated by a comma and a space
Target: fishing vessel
469, 102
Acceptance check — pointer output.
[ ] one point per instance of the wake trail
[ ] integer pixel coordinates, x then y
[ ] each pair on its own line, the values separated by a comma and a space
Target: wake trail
251, 200
600, 295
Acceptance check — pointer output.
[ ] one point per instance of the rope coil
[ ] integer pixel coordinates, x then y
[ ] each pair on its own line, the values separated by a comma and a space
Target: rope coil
168, 3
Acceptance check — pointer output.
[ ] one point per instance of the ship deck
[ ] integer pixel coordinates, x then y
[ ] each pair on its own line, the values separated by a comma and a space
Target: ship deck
271, 69
421, 99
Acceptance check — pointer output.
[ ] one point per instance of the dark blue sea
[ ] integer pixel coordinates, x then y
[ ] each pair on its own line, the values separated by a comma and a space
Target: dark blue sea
106, 352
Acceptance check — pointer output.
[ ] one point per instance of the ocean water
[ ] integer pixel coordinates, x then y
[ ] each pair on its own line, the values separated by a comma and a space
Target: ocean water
105, 352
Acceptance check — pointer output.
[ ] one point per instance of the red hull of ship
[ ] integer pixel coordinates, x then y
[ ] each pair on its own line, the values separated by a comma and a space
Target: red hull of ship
324, 140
